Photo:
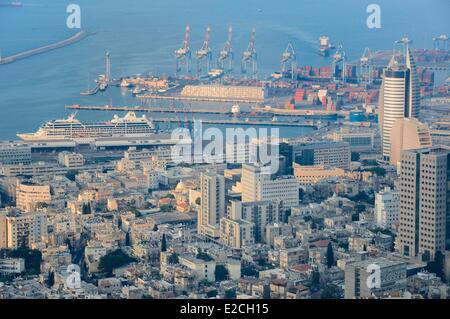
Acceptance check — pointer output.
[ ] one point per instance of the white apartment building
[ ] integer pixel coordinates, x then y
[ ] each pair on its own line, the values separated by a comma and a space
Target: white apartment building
18, 229
70, 159
257, 185
29, 196
212, 206
387, 207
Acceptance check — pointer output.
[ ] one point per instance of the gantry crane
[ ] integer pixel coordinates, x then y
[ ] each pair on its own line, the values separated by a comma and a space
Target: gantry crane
404, 43
441, 42
226, 56
203, 55
366, 67
288, 61
250, 57
183, 54
339, 60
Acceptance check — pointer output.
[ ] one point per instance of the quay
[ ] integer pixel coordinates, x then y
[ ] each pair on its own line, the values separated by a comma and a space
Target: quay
196, 99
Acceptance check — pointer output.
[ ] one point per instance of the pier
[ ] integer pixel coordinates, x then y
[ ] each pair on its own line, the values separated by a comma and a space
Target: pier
26, 54
145, 109
309, 114
234, 122
187, 120
196, 99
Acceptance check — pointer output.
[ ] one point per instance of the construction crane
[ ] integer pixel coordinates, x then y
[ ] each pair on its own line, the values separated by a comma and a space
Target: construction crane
339, 60
226, 56
441, 42
288, 61
183, 54
203, 55
366, 67
250, 57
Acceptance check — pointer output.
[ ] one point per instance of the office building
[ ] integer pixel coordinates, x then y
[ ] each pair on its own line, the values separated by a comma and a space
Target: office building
259, 185
408, 134
359, 141
399, 97
212, 206
12, 153
333, 154
424, 202
374, 278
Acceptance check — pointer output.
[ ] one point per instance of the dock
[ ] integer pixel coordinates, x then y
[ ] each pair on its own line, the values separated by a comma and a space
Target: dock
191, 120
145, 109
196, 99
29, 53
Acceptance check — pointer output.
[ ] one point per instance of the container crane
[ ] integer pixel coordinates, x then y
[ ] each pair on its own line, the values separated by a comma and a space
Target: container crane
226, 56
183, 54
288, 61
249, 56
441, 42
366, 67
339, 60
203, 55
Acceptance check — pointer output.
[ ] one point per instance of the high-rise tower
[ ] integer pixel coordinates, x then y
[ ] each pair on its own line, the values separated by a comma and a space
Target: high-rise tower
399, 97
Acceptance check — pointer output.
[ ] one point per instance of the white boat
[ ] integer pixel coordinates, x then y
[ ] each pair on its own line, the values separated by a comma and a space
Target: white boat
72, 129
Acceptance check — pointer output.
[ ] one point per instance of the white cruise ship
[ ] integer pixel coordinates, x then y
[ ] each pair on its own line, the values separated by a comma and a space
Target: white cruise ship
72, 129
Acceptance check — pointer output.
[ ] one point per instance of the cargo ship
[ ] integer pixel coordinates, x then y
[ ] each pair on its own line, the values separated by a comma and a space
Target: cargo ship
11, 4
72, 129
325, 46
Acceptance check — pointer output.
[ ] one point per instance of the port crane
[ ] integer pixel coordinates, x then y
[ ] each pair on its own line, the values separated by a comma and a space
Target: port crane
339, 60
226, 56
366, 67
441, 42
404, 42
203, 55
288, 61
250, 57
183, 54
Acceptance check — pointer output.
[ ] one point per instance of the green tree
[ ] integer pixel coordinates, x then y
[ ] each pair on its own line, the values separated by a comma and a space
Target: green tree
315, 279
113, 260
331, 292
127, 239
173, 259
51, 278
230, 294
266, 292
211, 294
330, 255
203, 256
86, 209
71, 175
249, 270
33, 258
221, 273
163, 243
